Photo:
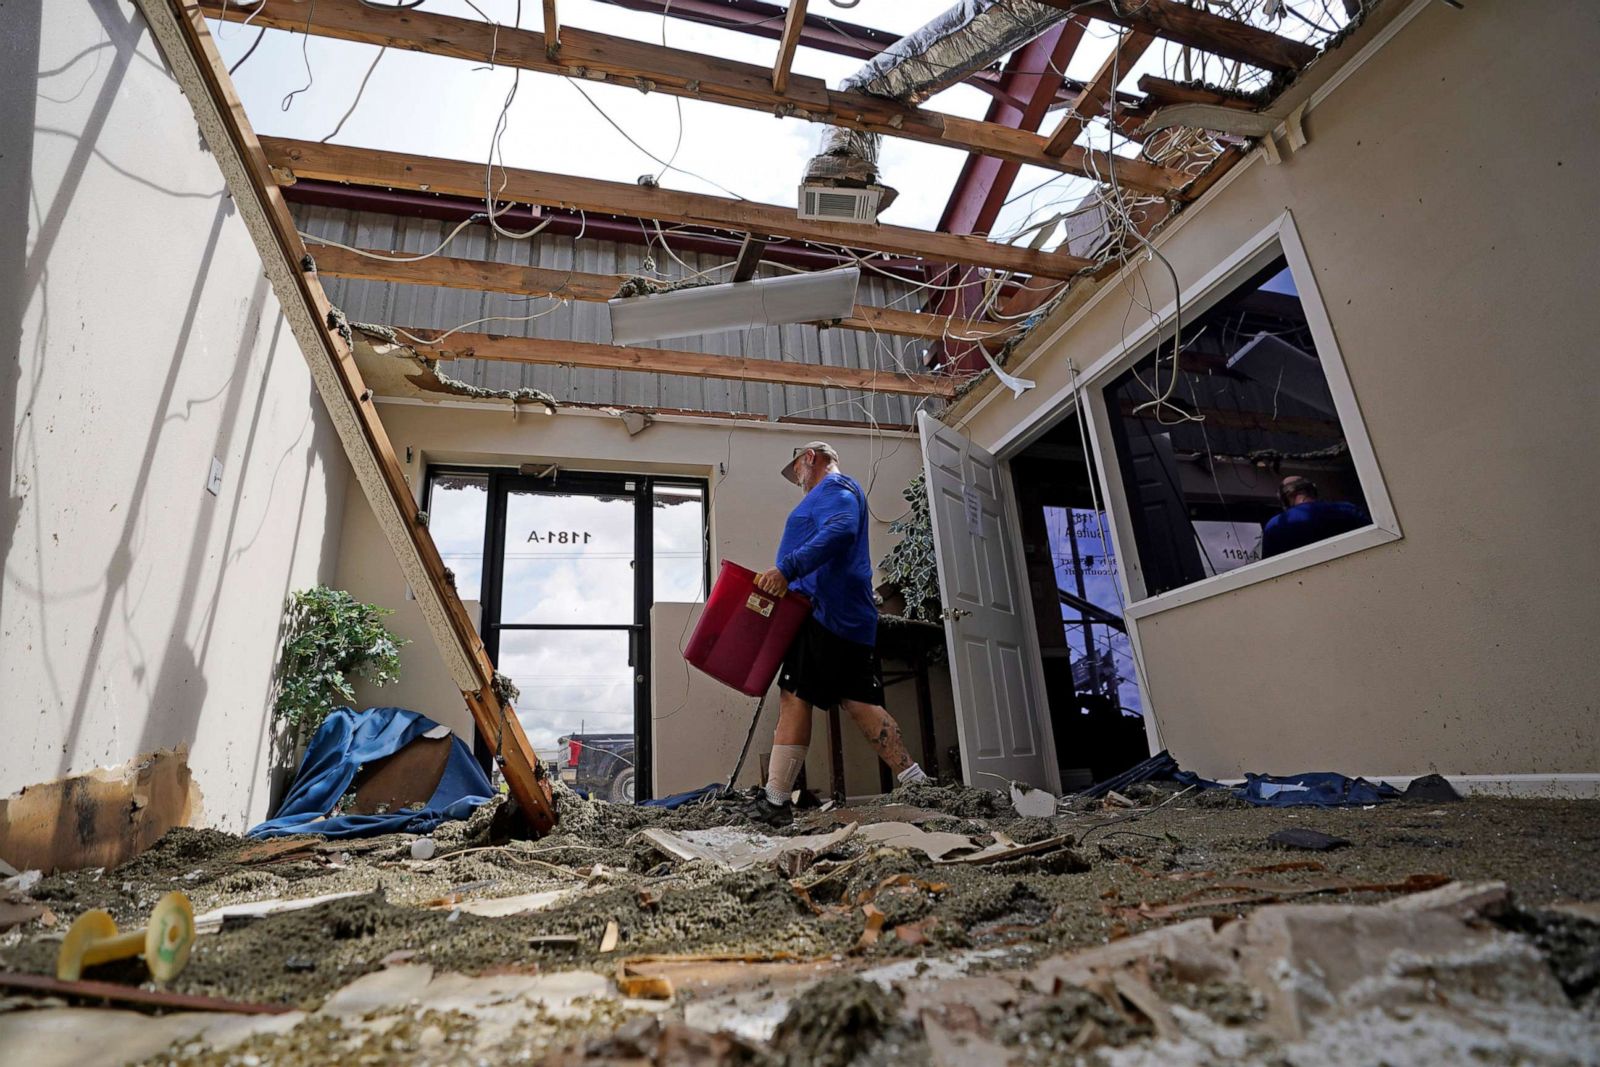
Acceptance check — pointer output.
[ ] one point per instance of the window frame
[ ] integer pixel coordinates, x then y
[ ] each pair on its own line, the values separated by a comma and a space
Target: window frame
1279, 238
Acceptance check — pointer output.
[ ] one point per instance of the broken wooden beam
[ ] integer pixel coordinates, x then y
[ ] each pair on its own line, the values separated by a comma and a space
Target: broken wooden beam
292, 159
562, 353
1199, 28
1161, 92
1098, 93
744, 268
179, 28
552, 30
655, 68
489, 277
793, 23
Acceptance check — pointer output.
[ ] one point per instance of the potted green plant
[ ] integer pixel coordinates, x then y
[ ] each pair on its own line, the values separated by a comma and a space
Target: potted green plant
910, 566
330, 639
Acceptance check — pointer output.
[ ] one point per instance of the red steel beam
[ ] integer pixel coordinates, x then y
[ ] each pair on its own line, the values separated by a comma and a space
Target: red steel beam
1030, 79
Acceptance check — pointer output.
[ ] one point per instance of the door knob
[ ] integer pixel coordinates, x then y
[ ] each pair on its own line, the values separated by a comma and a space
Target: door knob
954, 614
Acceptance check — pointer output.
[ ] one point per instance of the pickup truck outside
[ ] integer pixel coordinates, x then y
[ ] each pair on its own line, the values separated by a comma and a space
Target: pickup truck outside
598, 765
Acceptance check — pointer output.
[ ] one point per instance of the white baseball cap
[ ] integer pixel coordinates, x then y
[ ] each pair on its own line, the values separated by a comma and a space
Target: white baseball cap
823, 447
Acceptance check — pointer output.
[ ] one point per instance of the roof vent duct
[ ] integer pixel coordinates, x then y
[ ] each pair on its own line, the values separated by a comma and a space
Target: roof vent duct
816, 296
966, 38
831, 203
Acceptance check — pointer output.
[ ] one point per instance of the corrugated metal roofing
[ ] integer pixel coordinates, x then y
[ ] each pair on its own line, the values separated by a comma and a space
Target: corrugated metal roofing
441, 309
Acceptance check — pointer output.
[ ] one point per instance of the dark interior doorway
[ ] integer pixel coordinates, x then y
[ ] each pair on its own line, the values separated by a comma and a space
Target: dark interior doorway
1096, 708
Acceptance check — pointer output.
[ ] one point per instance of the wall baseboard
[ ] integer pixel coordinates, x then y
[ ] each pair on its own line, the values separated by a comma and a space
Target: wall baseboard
1552, 786
1546, 786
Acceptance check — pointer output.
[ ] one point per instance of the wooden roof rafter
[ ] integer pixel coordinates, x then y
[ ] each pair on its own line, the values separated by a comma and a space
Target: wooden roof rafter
650, 67
1198, 28
292, 159
487, 276
1099, 94
594, 356
793, 24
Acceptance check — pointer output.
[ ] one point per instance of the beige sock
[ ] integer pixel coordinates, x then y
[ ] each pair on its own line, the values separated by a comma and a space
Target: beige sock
782, 770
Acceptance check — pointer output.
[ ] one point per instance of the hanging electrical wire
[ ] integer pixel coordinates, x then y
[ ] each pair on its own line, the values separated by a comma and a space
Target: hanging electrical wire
359, 92
305, 54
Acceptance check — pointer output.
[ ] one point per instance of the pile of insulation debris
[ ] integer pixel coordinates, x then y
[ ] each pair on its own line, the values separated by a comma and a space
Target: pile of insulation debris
938, 924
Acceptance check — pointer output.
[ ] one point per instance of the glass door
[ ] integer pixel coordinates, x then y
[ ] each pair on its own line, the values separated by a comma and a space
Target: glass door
567, 567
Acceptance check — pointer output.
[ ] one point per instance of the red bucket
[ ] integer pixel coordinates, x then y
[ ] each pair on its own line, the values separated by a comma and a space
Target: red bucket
743, 634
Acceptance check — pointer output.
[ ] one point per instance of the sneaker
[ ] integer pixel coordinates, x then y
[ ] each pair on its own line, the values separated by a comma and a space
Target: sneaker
761, 810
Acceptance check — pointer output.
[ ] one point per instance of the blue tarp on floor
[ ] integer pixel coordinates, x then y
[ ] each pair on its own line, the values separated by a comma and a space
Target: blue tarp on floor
342, 744
1324, 789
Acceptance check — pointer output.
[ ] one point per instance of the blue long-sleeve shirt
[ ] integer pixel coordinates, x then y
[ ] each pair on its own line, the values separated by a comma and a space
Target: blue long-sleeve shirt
1309, 522
825, 555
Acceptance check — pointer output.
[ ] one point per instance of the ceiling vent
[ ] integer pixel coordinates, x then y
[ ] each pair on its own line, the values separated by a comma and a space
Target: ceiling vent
840, 204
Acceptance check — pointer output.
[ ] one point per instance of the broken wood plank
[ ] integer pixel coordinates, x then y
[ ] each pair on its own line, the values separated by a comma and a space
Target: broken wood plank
1164, 91
292, 159
1198, 28
84, 989
1098, 92
490, 277
552, 30
561, 353
744, 268
793, 23
179, 27
650, 67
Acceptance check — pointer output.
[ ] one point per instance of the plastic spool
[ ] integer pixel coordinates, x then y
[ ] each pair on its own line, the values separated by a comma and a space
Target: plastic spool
164, 942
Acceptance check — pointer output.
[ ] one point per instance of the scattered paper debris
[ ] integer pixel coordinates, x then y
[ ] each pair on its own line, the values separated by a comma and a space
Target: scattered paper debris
1031, 803
500, 907
1006, 849
737, 848
22, 882
904, 835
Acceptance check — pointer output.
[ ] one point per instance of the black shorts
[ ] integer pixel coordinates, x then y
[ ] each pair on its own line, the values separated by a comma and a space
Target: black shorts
823, 668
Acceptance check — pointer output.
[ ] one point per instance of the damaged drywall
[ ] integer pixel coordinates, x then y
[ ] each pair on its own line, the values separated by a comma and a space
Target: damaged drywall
100, 819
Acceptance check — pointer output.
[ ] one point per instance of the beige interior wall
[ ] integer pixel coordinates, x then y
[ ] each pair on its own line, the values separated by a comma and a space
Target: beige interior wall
747, 507
1445, 204
140, 339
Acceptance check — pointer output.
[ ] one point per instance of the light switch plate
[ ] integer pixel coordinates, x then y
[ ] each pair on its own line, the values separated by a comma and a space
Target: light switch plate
214, 481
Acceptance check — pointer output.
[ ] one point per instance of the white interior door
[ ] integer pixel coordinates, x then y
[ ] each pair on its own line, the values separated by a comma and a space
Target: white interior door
1000, 711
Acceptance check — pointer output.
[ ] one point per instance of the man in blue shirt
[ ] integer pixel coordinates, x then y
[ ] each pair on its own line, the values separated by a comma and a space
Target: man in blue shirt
834, 660
1306, 519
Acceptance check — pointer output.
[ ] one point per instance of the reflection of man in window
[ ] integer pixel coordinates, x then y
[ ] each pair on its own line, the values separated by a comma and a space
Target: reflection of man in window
1306, 519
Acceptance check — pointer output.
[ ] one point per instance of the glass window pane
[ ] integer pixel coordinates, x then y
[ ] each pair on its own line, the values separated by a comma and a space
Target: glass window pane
458, 508
680, 543
572, 682
1086, 566
569, 559
1242, 455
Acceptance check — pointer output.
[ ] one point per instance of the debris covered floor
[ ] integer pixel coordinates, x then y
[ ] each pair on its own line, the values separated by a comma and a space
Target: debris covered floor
1439, 933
